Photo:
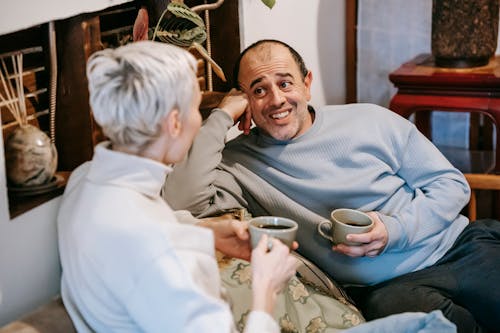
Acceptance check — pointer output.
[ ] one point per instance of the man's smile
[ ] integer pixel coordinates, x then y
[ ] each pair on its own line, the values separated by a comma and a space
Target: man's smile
280, 115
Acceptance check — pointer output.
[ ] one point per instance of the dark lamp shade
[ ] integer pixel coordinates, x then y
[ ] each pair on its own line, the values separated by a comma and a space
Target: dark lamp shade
464, 32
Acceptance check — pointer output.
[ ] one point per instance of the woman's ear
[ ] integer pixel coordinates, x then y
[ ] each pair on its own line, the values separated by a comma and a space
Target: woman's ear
172, 124
141, 24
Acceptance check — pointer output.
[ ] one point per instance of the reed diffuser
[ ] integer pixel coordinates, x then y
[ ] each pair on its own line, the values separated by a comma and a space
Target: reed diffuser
30, 156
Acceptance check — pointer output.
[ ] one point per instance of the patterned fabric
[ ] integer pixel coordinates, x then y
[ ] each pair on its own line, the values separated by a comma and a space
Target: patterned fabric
301, 307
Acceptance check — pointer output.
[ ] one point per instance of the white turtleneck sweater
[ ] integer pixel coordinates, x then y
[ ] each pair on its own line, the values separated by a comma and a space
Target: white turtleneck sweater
128, 264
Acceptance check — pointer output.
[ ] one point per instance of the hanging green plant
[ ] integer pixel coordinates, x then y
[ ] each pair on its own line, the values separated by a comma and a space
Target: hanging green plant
182, 26
269, 3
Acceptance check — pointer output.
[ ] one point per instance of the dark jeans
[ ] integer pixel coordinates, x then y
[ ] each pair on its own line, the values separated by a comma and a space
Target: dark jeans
464, 284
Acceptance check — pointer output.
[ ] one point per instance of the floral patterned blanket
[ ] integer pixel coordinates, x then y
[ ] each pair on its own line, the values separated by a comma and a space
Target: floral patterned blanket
310, 303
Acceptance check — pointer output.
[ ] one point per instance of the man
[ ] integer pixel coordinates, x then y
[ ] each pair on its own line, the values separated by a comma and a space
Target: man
302, 163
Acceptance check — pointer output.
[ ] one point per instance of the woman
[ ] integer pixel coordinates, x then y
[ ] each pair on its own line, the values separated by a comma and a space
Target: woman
128, 264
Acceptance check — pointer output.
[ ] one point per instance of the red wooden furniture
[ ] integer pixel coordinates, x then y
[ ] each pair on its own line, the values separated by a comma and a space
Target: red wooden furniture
423, 87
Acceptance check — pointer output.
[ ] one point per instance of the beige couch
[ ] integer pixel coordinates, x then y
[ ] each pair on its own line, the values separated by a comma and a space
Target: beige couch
53, 317
50, 318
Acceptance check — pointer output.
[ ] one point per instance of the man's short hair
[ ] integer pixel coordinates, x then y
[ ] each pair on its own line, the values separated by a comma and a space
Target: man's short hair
295, 55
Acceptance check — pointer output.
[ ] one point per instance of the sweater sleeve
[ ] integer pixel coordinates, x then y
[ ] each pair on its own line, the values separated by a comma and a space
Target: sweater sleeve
440, 191
262, 322
166, 298
197, 183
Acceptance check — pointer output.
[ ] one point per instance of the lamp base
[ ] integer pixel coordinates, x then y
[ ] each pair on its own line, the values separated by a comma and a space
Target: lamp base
461, 62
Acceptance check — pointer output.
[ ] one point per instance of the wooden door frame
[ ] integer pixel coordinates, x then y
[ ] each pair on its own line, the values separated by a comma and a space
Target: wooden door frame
351, 20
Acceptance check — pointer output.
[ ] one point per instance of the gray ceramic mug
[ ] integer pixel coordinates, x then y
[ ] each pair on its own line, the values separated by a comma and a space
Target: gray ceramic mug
345, 221
281, 228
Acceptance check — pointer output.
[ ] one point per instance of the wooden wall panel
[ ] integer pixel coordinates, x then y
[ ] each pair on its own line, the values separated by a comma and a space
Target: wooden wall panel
351, 50
77, 38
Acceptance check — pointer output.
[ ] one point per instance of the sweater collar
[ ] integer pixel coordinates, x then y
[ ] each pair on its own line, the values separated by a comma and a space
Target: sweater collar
125, 170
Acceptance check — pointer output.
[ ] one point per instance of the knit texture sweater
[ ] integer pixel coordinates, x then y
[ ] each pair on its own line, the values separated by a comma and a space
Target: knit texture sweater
359, 156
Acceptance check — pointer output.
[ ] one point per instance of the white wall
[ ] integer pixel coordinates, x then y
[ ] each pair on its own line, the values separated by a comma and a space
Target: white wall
21, 14
315, 28
29, 260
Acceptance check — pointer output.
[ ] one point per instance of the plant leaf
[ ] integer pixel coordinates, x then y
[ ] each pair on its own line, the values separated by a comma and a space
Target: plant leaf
269, 3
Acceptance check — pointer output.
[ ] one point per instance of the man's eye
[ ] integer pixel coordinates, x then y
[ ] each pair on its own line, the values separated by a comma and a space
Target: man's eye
284, 84
258, 91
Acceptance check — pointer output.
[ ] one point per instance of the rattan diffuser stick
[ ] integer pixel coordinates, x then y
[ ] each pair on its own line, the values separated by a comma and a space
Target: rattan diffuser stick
14, 98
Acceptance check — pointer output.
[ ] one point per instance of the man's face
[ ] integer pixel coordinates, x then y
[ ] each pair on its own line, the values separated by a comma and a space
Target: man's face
277, 94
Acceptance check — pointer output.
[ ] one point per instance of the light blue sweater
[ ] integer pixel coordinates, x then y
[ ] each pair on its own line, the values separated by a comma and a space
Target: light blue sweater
357, 156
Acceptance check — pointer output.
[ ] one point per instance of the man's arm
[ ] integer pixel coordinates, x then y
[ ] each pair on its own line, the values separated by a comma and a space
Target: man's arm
440, 191
198, 184
193, 183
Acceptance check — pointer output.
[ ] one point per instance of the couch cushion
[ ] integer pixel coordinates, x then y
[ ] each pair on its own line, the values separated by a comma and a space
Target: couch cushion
50, 318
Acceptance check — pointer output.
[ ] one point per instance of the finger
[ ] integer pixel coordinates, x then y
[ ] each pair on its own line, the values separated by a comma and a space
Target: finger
364, 238
375, 247
262, 244
241, 230
291, 264
295, 245
295, 263
247, 121
351, 251
279, 246
369, 250
241, 125
271, 244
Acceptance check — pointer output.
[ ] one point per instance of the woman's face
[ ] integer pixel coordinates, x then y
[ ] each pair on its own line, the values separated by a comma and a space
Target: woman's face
190, 124
192, 119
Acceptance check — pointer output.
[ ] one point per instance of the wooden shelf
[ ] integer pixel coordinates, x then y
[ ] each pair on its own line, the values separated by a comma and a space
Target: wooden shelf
21, 204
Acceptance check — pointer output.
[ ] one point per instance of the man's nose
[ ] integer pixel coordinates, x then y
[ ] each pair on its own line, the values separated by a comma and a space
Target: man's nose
277, 96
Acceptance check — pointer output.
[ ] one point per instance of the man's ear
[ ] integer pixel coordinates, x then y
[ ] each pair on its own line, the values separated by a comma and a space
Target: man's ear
307, 84
172, 124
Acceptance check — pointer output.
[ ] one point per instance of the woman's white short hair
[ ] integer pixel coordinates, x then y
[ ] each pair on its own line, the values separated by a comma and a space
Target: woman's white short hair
134, 86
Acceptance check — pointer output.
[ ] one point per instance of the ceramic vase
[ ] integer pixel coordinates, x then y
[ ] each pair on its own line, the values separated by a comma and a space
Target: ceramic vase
30, 157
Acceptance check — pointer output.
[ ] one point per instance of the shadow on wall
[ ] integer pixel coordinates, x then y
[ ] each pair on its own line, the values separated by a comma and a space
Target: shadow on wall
331, 50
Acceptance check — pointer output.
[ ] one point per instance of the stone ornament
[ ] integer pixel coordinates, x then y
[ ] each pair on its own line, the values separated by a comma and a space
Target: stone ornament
30, 157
